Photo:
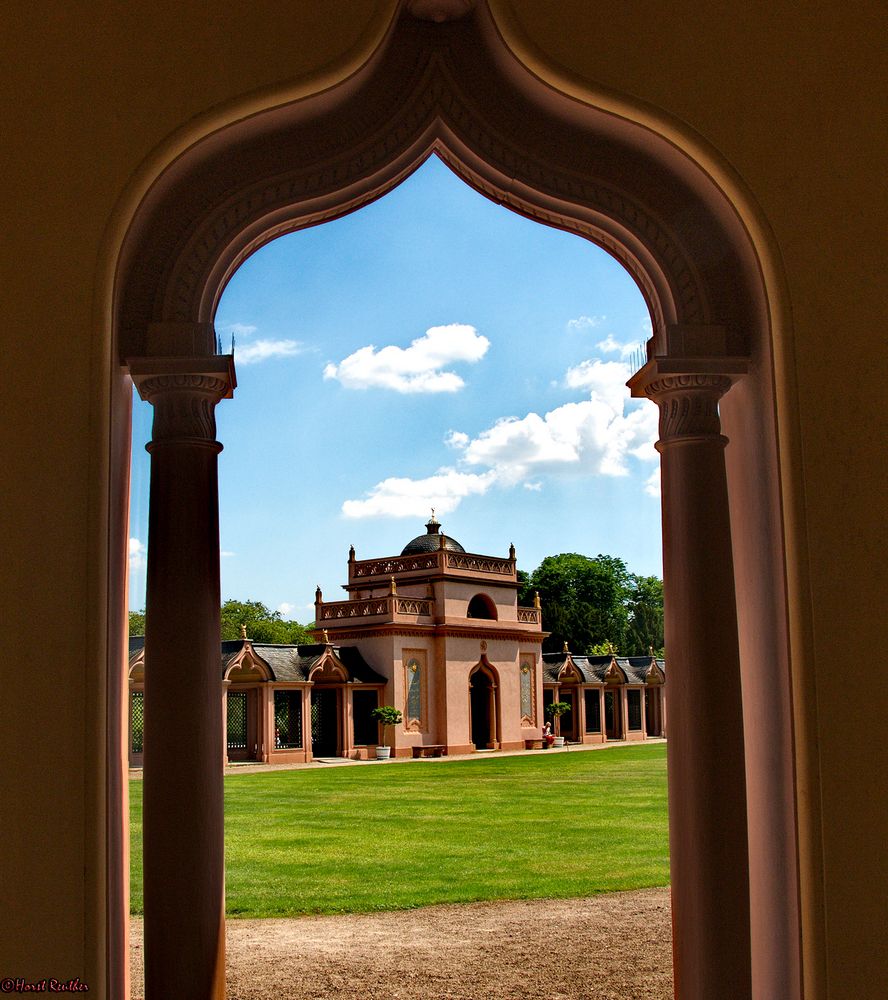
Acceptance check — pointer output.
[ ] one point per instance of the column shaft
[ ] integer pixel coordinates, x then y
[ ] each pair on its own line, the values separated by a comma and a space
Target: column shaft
707, 781
708, 841
183, 846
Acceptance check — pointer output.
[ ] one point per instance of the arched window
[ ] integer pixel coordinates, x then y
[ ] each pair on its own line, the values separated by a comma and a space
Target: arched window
481, 606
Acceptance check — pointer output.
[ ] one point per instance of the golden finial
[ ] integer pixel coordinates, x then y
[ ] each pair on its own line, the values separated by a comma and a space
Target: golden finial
394, 587
243, 630
536, 600
326, 637
564, 648
651, 651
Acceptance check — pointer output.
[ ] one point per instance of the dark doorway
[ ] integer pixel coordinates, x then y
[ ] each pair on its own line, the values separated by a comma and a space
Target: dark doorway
653, 720
593, 712
324, 723
366, 728
613, 715
481, 696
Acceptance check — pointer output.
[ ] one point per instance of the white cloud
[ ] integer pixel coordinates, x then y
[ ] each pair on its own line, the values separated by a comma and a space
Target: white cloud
610, 345
652, 483
606, 380
403, 497
241, 329
417, 368
593, 436
286, 608
137, 553
456, 439
262, 350
585, 323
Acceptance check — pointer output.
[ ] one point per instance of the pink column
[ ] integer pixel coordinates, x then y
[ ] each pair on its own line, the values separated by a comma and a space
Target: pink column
182, 787
707, 782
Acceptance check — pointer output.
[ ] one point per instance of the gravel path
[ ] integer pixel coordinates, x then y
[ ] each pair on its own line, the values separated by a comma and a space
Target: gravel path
611, 947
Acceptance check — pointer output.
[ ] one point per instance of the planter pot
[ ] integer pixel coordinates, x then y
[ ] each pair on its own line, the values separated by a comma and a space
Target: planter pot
559, 741
383, 753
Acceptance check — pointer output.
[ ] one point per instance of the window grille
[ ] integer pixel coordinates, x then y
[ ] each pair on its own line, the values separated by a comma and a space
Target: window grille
237, 720
137, 722
593, 712
633, 706
288, 720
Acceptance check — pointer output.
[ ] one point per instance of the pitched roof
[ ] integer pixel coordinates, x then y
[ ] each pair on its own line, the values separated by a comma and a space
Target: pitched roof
593, 669
288, 663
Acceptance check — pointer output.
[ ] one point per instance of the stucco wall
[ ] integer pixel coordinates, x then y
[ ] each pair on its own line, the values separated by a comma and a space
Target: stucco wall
791, 99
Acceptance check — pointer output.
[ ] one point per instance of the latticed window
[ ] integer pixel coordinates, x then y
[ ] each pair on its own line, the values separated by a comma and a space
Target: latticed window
633, 706
237, 720
593, 712
288, 720
137, 722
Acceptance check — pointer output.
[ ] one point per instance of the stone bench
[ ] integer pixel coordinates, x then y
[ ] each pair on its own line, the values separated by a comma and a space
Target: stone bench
430, 750
535, 744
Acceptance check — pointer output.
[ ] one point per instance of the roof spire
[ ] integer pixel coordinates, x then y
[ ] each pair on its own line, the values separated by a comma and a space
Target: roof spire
433, 525
243, 630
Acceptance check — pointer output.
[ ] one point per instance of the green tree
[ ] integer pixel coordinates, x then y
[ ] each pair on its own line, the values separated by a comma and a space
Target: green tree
263, 625
645, 615
585, 601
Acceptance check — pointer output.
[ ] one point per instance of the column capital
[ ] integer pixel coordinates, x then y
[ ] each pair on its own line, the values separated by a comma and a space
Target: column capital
184, 393
687, 390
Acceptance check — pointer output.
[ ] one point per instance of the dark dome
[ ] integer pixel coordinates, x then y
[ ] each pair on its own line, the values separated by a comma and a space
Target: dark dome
431, 541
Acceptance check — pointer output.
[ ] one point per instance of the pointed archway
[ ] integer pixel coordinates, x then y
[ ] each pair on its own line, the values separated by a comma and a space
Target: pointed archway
484, 707
635, 191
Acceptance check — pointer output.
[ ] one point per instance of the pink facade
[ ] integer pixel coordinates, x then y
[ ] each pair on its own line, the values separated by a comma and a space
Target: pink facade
436, 632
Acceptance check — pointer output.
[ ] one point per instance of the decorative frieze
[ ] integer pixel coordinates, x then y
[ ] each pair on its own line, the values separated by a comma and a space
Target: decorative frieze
479, 564
374, 607
388, 567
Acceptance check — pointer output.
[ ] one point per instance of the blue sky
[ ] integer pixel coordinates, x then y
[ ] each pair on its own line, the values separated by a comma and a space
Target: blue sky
432, 349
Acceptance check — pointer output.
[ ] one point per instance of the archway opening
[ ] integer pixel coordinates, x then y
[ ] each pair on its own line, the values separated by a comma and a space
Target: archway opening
662, 215
481, 606
483, 713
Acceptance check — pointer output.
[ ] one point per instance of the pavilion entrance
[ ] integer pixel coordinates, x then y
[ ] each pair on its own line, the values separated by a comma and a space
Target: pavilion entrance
482, 706
613, 714
325, 741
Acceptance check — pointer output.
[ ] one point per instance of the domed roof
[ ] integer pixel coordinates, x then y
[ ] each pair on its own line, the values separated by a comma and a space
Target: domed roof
431, 541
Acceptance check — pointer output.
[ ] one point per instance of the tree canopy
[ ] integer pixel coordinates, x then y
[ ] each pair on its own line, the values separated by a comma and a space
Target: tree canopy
591, 603
263, 625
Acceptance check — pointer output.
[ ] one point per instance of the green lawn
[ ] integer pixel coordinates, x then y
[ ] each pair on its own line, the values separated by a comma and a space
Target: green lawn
395, 836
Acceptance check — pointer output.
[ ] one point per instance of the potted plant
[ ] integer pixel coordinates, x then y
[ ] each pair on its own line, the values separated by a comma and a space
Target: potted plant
388, 716
556, 709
